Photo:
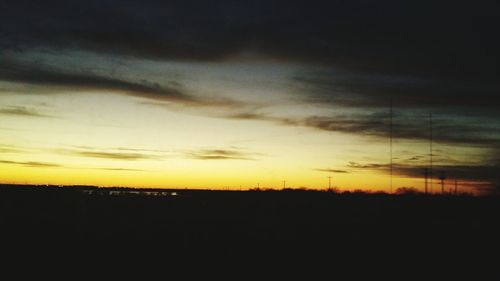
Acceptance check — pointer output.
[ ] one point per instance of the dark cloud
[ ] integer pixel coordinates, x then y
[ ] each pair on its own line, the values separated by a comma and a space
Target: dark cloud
375, 90
30, 73
423, 54
332, 171
377, 125
32, 164
63, 78
405, 126
388, 36
487, 174
220, 154
21, 111
423, 37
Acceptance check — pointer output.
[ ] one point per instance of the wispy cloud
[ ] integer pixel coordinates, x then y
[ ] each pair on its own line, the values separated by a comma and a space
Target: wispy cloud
33, 164
9, 149
220, 154
125, 154
121, 149
336, 171
112, 155
21, 111
370, 166
119, 169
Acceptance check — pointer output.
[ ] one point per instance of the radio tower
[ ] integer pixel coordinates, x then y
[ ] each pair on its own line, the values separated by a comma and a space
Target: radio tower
390, 138
430, 151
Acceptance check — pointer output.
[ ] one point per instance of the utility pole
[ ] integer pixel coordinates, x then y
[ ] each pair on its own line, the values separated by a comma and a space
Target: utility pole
329, 182
456, 187
284, 184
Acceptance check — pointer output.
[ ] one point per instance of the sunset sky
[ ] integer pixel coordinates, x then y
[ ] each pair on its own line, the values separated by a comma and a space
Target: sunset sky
230, 94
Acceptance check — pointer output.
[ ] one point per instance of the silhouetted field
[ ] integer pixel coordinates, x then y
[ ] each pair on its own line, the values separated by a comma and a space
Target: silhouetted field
260, 225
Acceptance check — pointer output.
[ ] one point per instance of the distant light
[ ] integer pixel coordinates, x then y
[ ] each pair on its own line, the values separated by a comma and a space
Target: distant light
173, 193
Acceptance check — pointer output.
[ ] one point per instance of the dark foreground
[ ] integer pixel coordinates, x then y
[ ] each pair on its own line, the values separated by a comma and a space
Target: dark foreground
255, 228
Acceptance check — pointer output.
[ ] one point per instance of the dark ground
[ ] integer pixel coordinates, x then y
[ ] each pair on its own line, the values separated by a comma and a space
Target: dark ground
256, 228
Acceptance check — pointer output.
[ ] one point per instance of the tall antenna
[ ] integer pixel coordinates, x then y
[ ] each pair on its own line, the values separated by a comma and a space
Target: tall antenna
430, 150
390, 137
426, 175
284, 184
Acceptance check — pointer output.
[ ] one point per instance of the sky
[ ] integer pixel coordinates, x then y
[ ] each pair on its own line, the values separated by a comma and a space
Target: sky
244, 94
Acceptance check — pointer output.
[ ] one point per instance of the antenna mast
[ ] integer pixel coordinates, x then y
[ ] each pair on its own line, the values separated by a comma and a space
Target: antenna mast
430, 150
390, 137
